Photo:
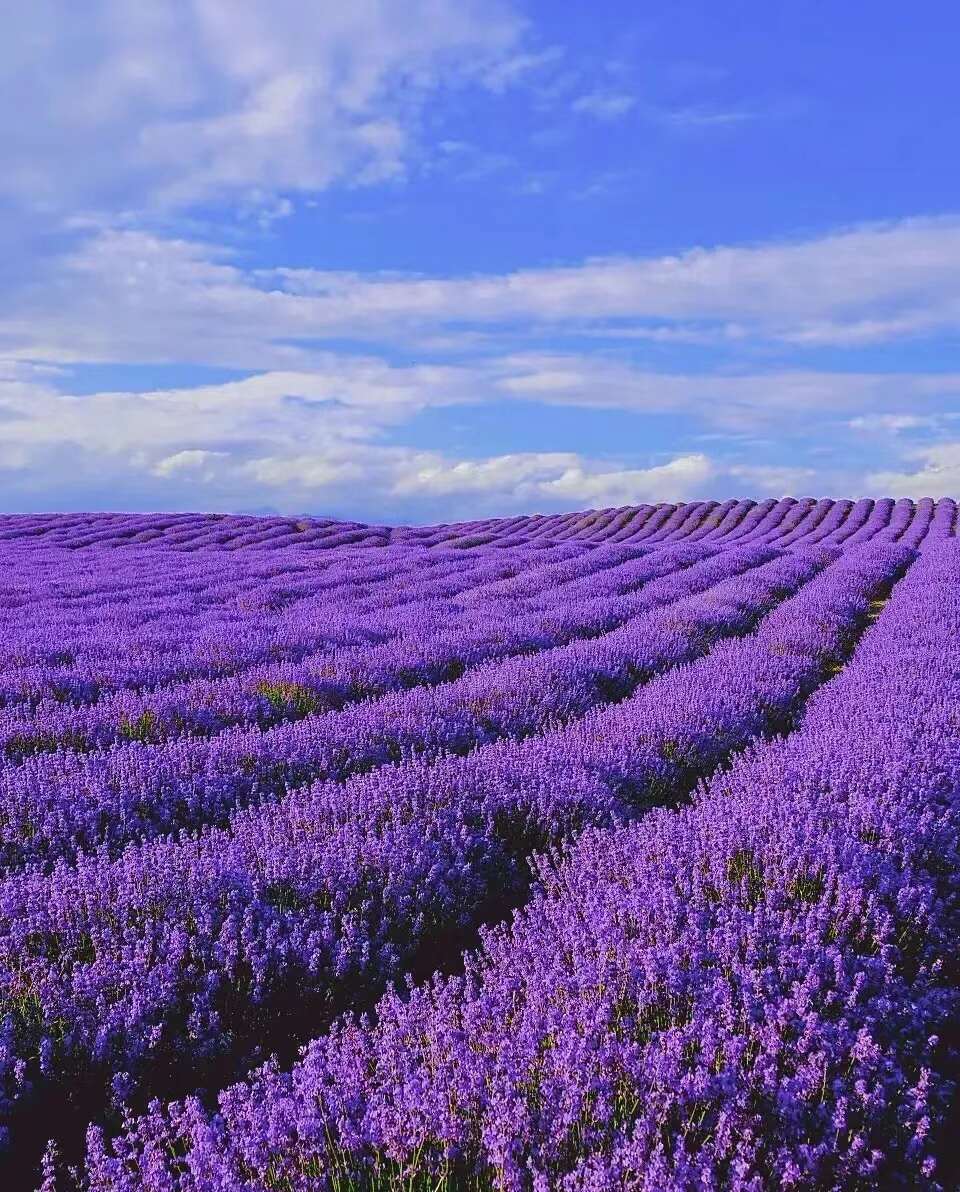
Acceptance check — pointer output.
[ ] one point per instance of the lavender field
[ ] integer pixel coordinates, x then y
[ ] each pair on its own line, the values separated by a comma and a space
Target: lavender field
593, 851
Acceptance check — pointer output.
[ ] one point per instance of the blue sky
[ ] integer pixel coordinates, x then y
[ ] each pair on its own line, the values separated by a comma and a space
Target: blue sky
447, 258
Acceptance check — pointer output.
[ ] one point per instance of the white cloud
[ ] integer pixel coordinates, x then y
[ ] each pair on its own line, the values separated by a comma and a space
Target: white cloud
878, 280
314, 425
862, 332
192, 462
409, 478
266, 210
556, 476
117, 116
327, 439
604, 105
510, 69
892, 423
703, 117
180, 101
132, 296
937, 473
294, 441
747, 401
681, 477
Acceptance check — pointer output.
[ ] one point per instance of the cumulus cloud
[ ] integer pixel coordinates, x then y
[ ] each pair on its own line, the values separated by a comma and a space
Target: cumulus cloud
327, 438
557, 476
191, 462
332, 438
286, 442
302, 440
201, 99
935, 472
117, 118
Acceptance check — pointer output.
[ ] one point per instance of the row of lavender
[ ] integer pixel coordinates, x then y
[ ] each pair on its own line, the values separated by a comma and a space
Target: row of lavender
698, 520
752, 992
